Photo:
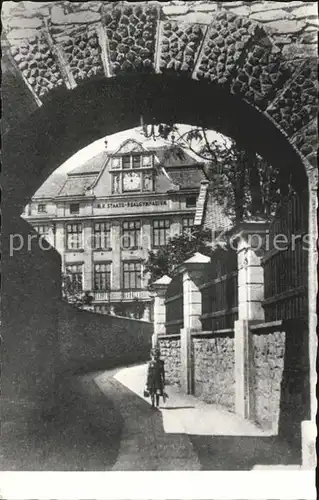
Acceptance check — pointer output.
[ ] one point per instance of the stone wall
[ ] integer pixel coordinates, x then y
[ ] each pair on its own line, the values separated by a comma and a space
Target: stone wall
90, 341
280, 383
287, 20
171, 354
257, 50
293, 25
214, 376
30, 359
268, 360
44, 337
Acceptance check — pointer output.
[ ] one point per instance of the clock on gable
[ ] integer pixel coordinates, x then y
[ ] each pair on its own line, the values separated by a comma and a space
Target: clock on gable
132, 181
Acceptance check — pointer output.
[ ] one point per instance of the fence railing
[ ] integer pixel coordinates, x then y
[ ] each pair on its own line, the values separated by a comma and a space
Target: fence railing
286, 269
285, 276
174, 306
125, 295
220, 292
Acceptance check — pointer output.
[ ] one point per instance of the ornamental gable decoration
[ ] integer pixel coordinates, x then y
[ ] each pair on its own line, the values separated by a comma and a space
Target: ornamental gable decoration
130, 146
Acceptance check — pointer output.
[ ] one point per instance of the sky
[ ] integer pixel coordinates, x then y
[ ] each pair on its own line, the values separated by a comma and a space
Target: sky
114, 141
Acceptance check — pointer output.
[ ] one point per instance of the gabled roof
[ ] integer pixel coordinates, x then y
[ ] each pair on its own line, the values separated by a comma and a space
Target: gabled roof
91, 166
76, 185
77, 181
51, 187
173, 157
189, 177
130, 146
215, 217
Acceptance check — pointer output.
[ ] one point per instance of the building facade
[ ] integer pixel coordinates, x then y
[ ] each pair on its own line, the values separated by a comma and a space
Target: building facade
105, 215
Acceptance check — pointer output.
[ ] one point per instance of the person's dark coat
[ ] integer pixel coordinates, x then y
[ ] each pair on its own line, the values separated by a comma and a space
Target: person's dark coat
156, 377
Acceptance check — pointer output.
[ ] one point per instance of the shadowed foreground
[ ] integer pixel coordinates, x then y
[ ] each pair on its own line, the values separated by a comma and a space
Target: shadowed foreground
102, 424
84, 434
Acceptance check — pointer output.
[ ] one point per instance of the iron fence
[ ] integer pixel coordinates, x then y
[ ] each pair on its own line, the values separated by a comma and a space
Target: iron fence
286, 269
174, 305
220, 292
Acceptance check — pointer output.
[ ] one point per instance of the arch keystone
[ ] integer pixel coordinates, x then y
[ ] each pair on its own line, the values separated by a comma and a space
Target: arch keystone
131, 33
178, 46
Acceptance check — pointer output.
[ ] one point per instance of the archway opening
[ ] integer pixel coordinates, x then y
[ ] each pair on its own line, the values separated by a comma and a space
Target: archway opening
71, 120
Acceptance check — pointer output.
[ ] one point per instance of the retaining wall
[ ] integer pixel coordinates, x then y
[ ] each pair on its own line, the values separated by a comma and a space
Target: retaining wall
268, 356
95, 341
44, 338
214, 376
171, 354
280, 382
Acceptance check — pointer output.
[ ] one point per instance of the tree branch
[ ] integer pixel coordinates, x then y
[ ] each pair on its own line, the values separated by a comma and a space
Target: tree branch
188, 144
213, 153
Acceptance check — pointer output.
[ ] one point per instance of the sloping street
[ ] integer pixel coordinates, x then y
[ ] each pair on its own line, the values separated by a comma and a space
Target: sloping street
105, 423
186, 433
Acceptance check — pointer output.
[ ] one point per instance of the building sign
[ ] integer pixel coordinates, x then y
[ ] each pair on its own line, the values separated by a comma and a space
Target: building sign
132, 204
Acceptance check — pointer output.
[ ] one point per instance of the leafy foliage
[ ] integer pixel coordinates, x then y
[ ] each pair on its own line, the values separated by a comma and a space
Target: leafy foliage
241, 181
178, 249
73, 294
134, 309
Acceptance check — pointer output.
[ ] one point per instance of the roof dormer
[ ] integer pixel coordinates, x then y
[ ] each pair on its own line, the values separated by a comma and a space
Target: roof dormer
132, 169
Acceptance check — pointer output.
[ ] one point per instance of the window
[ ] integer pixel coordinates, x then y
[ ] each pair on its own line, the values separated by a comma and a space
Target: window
74, 272
116, 162
102, 276
188, 223
132, 275
74, 208
126, 162
74, 236
191, 202
161, 232
147, 161
42, 230
136, 161
102, 235
131, 234
134, 173
42, 209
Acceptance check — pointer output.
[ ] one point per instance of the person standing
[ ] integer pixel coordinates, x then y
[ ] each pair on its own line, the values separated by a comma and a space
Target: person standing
155, 382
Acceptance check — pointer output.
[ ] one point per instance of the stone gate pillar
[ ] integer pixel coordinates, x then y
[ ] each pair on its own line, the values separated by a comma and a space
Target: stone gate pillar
147, 311
194, 271
159, 289
250, 237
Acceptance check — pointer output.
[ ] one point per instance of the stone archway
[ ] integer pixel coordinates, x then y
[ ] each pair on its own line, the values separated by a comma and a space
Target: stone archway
240, 49
92, 71
247, 55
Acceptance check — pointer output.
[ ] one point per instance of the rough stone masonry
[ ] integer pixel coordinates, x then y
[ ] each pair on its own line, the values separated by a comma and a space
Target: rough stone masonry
263, 51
